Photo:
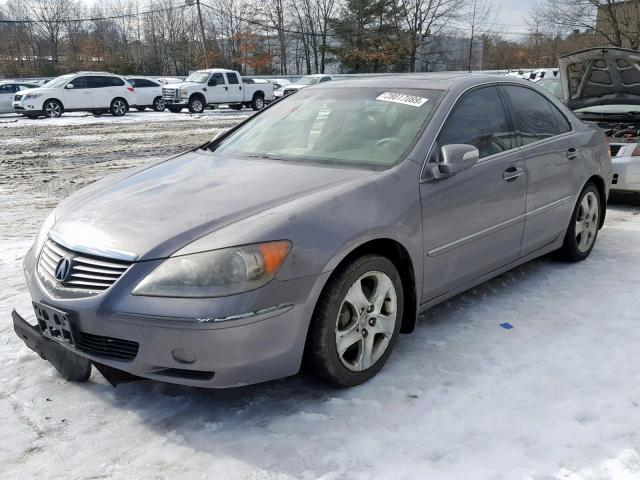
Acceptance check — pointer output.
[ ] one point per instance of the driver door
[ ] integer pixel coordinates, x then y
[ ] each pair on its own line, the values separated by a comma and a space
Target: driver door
217, 89
473, 221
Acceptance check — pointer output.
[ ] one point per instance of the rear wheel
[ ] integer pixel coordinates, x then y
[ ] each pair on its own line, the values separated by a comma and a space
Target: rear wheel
196, 104
583, 227
257, 103
118, 107
158, 104
52, 109
356, 322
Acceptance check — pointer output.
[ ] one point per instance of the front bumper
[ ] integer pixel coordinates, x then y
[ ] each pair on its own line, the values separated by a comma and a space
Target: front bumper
175, 101
626, 174
26, 106
184, 341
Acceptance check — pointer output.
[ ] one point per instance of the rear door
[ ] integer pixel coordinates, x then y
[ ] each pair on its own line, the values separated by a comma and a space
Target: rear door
236, 93
473, 221
550, 154
146, 91
217, 89
78, 97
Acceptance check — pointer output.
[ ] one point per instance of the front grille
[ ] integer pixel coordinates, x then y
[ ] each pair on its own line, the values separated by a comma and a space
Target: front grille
615, 148
87, 272
169, 93
16, 98
100, 346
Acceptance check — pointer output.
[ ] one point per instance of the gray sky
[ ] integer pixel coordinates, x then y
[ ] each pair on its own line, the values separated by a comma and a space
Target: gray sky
511, 15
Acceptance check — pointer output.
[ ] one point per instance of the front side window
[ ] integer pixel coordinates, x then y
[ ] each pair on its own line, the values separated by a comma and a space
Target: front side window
80, 82
479, 119
217, 79
369, 127
4, 89
535, 117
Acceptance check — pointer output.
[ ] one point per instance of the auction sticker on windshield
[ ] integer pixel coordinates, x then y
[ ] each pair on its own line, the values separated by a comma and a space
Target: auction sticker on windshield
402, 98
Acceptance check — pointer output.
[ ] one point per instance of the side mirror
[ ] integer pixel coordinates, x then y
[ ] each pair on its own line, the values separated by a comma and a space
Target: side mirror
70, 85
457, 157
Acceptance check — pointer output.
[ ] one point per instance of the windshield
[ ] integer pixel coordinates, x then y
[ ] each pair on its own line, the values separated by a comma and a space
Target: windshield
308, 80
351, 126
58, 82
198, 77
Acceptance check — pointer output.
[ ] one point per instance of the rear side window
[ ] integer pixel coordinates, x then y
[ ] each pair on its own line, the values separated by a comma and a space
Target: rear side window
536, 118
115, 81
98, 82
232, 78
479, 119
141, 83
325, 79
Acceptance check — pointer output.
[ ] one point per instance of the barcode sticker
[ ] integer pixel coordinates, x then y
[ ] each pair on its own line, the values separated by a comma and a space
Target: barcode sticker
402, 98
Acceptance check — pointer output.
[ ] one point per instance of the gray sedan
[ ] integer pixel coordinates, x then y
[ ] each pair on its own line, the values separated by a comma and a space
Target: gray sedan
314, 232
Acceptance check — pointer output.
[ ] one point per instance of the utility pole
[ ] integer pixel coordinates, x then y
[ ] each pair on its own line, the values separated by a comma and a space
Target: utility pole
204, 41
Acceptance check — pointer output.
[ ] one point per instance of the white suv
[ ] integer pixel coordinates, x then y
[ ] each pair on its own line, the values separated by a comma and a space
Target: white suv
82, 91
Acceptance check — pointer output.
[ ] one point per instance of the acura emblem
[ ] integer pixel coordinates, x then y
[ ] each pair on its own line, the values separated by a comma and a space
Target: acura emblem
63, 269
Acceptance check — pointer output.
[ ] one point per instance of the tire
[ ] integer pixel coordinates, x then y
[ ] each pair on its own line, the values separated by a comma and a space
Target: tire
141, 109
258, 102
348, 340
235, 107
118, 107
52, 109
583, 227
158, 104
174, 109
196, 104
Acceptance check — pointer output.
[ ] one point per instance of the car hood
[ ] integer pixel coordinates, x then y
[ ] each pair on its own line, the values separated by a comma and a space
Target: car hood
33, 90
600, 76
183, 84
153, 212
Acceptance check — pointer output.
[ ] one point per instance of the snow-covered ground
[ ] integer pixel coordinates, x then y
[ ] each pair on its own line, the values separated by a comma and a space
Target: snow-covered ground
555, 397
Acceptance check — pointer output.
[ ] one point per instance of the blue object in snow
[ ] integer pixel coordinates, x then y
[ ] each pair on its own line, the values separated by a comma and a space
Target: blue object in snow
506, 326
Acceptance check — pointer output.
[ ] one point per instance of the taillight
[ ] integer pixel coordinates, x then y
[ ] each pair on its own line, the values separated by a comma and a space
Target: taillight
131, 89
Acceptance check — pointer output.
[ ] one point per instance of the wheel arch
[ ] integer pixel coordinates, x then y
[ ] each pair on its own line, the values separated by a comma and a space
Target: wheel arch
399, 256
120, 98
258, 93
598, 181
55, 100
198, 95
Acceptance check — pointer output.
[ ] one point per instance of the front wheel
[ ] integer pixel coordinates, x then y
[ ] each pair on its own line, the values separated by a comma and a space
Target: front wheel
356, 322
583, 227
196, 105
52, 109
118, 107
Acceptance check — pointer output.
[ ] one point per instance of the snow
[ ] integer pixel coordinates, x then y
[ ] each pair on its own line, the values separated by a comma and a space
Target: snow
555, 397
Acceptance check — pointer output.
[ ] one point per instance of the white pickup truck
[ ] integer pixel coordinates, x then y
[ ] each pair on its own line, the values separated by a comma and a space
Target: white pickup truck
216, 86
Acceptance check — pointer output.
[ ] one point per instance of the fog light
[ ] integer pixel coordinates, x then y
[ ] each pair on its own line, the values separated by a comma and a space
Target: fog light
182, 355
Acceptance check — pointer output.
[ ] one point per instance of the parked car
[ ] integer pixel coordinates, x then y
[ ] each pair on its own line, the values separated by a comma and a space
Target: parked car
318, 229
7, 90
541, 73
306, 81
215, 87
148, 93
602, 86
83, 91
278, 86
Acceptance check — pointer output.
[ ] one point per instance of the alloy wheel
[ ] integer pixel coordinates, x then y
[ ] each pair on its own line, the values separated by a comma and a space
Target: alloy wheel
366, 321
587, 222
159, 105
52, 110
119, 107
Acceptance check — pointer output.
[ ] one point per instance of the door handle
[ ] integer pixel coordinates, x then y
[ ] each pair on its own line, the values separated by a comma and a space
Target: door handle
511, 173
572, 153
226, 88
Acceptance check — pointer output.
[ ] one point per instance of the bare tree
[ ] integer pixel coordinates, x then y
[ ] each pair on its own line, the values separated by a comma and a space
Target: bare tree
479, 15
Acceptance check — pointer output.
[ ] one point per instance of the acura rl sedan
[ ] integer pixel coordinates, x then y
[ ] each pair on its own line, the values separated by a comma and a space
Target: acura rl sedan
313, 233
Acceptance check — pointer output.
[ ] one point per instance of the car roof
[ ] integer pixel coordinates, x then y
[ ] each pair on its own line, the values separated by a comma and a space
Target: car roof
434, 81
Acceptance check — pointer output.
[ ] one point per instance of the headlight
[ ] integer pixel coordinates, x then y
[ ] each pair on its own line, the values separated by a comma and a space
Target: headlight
44, 231
30, 96
216, 273
184, 94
